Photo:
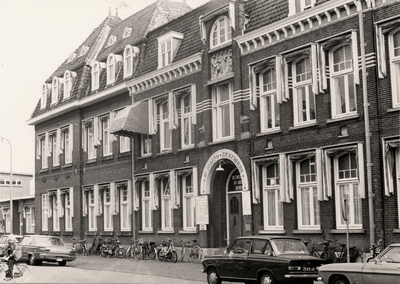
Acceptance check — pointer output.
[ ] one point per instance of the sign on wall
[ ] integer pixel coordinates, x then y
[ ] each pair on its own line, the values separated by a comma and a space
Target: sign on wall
202, 210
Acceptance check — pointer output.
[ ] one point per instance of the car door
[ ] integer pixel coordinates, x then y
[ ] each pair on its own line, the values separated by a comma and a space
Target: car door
384, 269
24, 244
233, 265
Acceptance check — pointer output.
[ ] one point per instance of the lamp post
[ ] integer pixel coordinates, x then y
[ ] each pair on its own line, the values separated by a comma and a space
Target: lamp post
11, 204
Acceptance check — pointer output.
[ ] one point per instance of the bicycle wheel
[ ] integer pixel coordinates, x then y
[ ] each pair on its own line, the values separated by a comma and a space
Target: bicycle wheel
174, 256
22, 273
197, 253
152, 254
120, 252
85, 250
183, 253
137, 252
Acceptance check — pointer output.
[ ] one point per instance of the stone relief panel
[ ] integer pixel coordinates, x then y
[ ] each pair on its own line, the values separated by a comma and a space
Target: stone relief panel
221, 63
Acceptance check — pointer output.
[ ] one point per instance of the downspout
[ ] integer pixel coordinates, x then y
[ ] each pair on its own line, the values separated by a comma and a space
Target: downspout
367, 130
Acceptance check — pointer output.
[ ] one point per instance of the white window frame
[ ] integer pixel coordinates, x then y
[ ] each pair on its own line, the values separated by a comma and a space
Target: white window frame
43, 100
188, 196
353, 184
68, 212
112, 67
303, 82
92, 215
217, 112
55, 90
348, 75
146, 144
6, 216
107, 141
128, 61
165, 131
186, 122
66, 143
124, 141
167, 215
272, 189
30, 219
124, 207
45, 212
394, 68
397, 163
147, 212
108, 214
268, 97
54, 146
311, 199
297, 6
90, 133
56, 213
96, 76
167, 47
43, 152
219, 30
68, 83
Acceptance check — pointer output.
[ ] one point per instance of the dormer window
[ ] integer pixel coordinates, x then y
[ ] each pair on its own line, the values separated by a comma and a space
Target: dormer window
69, 78
112, 67
111, 40
130, 53
84, 50
45, 91
71, 57
96, 70
221, 32
168, 45
127, 32
55, 90
297, 6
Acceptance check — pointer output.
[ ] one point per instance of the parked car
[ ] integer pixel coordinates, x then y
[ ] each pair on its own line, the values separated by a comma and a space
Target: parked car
384, 268
263, 259
4, 240
39, 248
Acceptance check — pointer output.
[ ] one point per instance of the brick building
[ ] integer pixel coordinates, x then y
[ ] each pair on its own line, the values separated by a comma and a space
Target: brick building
235, 118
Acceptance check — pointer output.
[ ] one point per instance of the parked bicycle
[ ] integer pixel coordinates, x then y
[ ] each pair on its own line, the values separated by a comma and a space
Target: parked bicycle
113, 247
133, 249
375, 250
166, 251
328, 251
92, 249
191, 249
83, 243
21, 271
147, 249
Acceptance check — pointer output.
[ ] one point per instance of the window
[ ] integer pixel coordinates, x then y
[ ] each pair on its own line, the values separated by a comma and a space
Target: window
42, 151
124, 194
168, 44
56, 216
273, 209
145, 144
105, 135
83, 51
54, 149
68, 83
66, 143
6, 216
270, 110
68, 212
165, 131
187, 133
55, 90
111, 40
89, 138
43, 99
222, 112
297, 6
96, 75
45, 212
128, 61
147, 212
394, 47
344, 101
346, 187
108, 216
307, 195
303, 97
127, 32
189, 202
221, 32
30, 219
166, 208
112, 67
124, 142
92, 211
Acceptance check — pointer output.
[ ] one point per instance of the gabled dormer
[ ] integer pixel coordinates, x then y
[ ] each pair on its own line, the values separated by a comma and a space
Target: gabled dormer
96, 71
56, 88
113, 62
297, 6
46, 89
168, 45
221, 32
69, 79
130, 53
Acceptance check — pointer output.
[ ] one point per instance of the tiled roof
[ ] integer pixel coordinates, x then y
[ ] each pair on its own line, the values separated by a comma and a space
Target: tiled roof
149, 18
264, 12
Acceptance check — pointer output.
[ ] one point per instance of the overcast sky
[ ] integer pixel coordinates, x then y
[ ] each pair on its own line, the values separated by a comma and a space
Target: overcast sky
36, 37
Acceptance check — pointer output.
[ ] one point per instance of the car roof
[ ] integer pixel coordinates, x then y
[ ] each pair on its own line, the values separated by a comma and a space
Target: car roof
266, 237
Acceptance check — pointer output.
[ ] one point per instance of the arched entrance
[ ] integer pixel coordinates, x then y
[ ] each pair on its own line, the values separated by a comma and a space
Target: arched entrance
224, 179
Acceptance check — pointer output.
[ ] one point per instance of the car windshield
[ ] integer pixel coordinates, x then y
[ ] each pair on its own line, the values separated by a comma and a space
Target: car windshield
49, 241
289, 246
390, 255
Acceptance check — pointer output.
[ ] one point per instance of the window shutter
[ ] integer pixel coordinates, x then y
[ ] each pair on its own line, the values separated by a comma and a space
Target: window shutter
71, 200
136, 201
129, 189
71, 140
255, 180
97, 205
84, 136
284, 176
361, 177
84, 202
174, 190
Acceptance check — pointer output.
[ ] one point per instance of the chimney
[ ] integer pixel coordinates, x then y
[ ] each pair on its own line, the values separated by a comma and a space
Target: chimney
116, 12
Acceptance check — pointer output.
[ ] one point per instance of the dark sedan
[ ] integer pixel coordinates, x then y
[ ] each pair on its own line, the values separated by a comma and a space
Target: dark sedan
264, 260
39, 248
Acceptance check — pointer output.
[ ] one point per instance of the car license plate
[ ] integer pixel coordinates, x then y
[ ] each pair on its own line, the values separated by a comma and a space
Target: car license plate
308, 269
59, 259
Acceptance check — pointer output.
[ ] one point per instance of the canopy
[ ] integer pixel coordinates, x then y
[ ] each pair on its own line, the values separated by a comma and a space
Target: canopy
132, 119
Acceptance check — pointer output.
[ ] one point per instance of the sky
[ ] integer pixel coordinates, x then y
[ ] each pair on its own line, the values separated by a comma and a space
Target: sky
36, 38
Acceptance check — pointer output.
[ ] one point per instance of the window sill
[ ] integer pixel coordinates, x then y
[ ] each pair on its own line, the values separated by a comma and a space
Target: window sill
44, 170
269, 133
146, 232
272, 232
164, 153
333, 120
186, 149
106, 158
393, 109
351, 231
220, 79
107, 233
166, 232
396, 231
69, 165
219, 47
124, 234
91, 161
302, 126
193, 231
67, 233
307, 232
222, 141
55, 168
124, 154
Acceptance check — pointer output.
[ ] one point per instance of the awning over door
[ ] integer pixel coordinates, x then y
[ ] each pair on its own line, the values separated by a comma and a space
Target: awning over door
133, 119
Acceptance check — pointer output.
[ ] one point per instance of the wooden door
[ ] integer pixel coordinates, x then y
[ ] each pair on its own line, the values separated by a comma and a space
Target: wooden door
235, 216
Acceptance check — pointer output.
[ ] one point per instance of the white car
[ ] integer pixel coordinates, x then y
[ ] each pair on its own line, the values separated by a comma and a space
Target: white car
384, 269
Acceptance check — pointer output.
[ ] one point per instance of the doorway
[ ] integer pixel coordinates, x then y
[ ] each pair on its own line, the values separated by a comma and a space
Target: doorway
235, 216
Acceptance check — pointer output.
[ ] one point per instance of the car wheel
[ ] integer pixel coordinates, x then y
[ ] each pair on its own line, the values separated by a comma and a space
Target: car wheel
32, 260
213, 277
267, 278
340, 280
62, 263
